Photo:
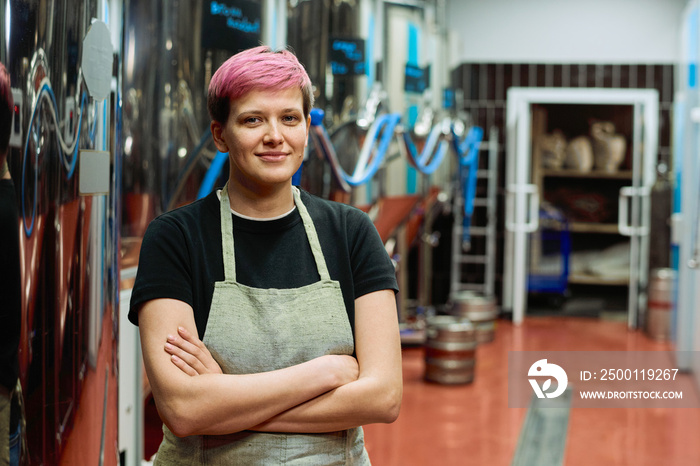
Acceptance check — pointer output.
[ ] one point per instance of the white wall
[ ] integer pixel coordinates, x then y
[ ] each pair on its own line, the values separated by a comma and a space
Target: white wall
564, 31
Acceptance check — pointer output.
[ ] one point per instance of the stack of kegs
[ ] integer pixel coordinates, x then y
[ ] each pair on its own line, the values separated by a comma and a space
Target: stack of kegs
480, 310
450, 350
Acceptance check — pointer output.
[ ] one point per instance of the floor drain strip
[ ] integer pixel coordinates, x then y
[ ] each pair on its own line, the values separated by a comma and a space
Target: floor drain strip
542, 439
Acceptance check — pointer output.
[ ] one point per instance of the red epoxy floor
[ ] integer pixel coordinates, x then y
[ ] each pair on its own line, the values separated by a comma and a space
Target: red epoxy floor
472, 424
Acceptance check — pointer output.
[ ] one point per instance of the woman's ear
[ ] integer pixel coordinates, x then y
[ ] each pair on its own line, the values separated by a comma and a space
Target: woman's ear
217, 130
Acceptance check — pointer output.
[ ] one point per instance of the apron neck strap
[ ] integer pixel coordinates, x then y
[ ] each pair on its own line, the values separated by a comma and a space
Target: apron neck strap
312, 235
227, 236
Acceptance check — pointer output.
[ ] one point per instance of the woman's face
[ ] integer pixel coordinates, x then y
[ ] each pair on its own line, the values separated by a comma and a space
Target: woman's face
265, 136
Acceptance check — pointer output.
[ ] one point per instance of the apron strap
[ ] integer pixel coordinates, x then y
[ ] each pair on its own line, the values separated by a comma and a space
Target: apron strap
312, 235
227, 237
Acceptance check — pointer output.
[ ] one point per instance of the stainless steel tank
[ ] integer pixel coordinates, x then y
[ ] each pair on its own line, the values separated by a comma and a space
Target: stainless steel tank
164, 108
68, 234
316, 29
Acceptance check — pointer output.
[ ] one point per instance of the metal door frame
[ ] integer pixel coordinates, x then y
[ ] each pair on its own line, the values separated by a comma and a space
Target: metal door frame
685, 225
521, 195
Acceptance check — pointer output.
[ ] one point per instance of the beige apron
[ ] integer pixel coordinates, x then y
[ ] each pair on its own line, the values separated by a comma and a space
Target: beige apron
252, 330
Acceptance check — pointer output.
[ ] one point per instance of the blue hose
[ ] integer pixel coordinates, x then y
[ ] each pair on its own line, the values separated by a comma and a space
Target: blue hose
212, 174
421, 162
296, 178
468, 156
382, 130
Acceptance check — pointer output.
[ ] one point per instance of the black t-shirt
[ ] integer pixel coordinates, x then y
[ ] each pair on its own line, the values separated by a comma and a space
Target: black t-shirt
181, 255
10, 287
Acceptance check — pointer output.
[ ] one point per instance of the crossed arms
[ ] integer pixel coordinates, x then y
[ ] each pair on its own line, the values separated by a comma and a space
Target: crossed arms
325, 394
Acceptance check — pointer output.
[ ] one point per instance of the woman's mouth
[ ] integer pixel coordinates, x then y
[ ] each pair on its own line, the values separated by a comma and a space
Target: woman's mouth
272, 156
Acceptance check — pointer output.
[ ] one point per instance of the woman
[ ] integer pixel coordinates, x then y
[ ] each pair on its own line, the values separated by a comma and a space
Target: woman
291, 296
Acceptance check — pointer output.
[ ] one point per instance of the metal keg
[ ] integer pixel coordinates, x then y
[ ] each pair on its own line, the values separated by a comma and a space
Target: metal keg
660, 303
478, 309
485, 331
450, 350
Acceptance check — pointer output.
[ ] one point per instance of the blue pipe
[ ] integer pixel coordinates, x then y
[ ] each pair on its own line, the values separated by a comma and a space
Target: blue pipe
421, 162
389, 121
212, 174
430, 143
468, 156
296, 178
382, 129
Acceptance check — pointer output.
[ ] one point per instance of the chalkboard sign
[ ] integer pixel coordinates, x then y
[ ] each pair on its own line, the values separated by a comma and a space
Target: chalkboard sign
346, 56
417, 79
231, 24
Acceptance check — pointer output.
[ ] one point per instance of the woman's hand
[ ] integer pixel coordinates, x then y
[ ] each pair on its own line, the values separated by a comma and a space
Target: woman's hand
190, 355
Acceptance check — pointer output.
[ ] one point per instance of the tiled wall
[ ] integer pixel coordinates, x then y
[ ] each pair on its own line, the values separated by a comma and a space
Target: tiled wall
484, 87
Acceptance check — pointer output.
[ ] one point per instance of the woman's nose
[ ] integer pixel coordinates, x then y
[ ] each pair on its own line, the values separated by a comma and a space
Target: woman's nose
272, 134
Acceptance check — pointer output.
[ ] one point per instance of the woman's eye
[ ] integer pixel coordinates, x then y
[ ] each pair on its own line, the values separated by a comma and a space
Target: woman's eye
251, 120
290, 118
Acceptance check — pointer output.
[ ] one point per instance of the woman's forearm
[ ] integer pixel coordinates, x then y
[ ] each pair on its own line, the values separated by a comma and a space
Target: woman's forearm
223, 404
365, 401
214, 404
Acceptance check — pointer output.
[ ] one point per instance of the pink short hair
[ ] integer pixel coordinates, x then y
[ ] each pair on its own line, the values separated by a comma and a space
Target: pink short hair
6, 109
256, 68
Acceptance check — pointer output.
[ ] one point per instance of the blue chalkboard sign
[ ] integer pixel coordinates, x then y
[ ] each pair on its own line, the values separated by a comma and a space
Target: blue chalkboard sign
231, 24
346, 56
417, 79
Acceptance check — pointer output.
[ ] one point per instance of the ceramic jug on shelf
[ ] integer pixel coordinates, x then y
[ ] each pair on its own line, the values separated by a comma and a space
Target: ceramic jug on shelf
608, 147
